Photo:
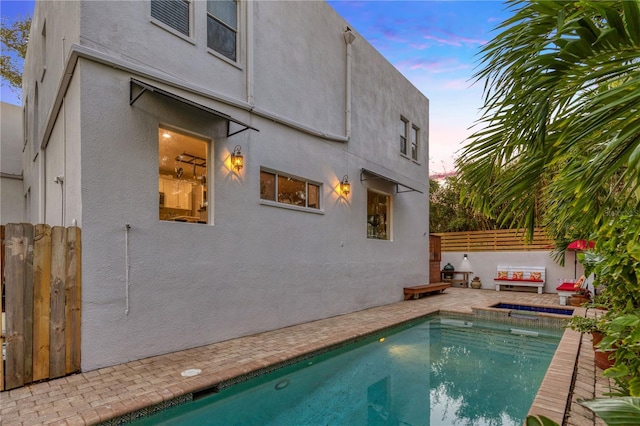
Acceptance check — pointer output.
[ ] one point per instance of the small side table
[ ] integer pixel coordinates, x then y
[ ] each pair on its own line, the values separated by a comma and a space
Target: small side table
459, 277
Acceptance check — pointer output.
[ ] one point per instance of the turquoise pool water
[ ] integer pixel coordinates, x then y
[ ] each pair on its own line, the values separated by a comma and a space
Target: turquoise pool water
440, 371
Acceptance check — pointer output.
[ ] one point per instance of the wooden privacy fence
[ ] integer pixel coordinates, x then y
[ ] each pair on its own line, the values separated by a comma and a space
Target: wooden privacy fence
41, 289
496, 240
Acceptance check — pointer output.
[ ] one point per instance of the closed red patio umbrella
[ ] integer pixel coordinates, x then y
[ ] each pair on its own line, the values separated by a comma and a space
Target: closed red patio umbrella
579, 245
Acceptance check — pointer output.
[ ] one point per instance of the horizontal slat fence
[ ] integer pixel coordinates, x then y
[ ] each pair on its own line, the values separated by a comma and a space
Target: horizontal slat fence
42, 294
494, 240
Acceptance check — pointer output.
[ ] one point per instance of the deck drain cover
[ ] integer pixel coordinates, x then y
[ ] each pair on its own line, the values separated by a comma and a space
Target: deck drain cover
191, 372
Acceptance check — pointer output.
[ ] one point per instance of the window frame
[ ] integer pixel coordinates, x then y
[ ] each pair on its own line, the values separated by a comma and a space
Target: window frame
276, 203
43, 52
404, 137
414, 143
236, 30
169, 28
25, 122
209, 188
389, 214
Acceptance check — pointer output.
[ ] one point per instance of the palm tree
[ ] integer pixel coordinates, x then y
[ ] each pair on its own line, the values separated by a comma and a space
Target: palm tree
560, 134
560, 125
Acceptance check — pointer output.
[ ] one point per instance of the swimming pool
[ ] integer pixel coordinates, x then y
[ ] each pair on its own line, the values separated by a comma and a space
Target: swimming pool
533, 308
439, 371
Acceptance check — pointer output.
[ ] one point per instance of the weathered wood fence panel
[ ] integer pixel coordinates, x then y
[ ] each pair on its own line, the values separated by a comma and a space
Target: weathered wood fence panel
74, 299
42, 298
58, 320
42, 287
495, 240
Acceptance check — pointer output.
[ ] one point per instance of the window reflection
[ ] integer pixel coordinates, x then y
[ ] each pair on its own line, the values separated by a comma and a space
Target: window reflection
289, 190
378, 208
182, 177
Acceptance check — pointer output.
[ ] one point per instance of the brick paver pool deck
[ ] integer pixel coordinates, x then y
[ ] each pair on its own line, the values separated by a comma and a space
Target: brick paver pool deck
108, 393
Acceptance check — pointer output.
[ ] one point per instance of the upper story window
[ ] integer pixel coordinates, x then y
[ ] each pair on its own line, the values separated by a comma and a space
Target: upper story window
182, 177
34, 140
288, 190
415, 140
404, 128
222, 27
25, 121
174, 13
44, 50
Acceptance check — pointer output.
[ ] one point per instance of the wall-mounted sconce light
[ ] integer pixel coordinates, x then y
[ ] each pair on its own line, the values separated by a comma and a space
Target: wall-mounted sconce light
237, 159
465, 257
345, 186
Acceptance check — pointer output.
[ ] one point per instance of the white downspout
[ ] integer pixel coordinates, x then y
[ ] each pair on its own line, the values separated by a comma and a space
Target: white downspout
349, 38
249, 47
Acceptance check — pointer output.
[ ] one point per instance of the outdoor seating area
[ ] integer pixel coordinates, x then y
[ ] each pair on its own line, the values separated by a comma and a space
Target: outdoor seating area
565, 290
520, 276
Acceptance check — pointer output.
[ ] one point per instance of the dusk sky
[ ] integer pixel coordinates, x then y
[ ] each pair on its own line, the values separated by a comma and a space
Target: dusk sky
433, 43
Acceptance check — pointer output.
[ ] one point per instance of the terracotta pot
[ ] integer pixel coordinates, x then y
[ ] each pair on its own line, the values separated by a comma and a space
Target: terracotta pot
601, 358
578, 300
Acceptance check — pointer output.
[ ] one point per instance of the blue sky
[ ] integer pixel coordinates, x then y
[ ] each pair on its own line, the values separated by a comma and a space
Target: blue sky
433, 43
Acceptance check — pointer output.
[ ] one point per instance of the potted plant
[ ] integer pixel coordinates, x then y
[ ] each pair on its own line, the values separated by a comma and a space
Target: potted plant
582, 295
595, 326
476, 283
584, 324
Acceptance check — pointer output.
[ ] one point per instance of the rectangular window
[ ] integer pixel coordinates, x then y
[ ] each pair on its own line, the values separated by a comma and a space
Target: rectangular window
182, 177
222, 27
34, 141
25, 121
284, 189
404, 125
174, 13
378, 216
44, 50
415, 134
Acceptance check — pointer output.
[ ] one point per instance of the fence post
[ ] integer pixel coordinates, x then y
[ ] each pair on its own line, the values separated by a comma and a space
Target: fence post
57, 339
42, 301
73, 299
28, 305
19, 313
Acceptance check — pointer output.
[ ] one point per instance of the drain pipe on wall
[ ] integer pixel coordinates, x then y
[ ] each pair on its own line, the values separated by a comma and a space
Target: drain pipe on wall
349, 38
127, 227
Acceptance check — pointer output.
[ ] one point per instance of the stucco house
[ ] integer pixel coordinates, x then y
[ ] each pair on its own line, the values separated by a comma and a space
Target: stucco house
235, 167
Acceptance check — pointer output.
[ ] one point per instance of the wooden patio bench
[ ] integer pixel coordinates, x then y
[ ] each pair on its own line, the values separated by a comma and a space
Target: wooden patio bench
520, 276
415, 291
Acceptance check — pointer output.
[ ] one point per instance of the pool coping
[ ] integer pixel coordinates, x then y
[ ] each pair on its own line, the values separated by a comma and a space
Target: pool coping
554, 394
107, 394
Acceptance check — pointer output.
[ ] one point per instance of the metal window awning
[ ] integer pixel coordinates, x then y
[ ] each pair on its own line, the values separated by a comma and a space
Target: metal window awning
137, 88
374, 175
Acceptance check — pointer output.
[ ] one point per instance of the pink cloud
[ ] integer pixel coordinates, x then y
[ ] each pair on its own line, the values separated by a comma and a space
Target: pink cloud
421, 46
433, 66
391, 35
454, 40
458, 84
